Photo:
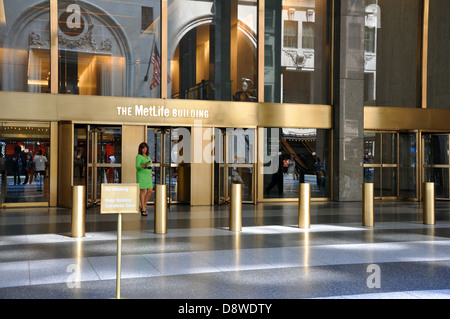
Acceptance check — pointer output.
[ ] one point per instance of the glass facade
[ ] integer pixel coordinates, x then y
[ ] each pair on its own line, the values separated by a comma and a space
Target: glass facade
391, 57
212, 50
438, 93
297, 51
112, 48
103, 48
436, 163
293, 156
25, 46
24, 162
109, 49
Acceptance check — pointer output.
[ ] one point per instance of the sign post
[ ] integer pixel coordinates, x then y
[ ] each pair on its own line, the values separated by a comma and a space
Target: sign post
119, 199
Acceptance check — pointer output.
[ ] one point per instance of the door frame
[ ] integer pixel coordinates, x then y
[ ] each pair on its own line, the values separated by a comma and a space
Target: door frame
222, 194
167, 163
423, 165
92, 163
397, 165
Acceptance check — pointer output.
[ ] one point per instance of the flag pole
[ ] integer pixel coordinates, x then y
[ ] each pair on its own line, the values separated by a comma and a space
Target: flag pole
150, 60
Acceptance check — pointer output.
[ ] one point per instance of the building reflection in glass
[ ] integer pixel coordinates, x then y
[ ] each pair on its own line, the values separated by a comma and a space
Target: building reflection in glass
297, 51
213, 50
303, 157
25, 148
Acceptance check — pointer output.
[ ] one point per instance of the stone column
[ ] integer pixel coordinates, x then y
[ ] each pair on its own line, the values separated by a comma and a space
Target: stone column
348, 100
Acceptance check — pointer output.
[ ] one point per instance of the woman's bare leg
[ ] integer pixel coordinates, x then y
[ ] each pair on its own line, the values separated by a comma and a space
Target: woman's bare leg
142, 196
147, 196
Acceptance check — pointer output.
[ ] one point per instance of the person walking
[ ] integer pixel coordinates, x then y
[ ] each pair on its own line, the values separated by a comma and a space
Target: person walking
40, 165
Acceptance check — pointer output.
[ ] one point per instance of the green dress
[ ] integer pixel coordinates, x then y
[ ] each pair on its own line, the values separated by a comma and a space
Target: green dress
143, 175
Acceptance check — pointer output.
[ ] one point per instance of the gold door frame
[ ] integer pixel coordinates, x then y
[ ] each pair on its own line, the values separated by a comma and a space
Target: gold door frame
93, 164
52, 165
225, 166
167, 163
423, 165
381, 165
397, 165
417, 169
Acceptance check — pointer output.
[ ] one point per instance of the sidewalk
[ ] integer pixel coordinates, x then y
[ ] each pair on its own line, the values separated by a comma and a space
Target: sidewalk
199, 258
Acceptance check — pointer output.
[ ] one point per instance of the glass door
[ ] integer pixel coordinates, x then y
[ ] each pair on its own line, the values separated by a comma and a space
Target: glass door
24, 162
436, 164
97, 158
234, 163
169, 149
381, 163
408, 168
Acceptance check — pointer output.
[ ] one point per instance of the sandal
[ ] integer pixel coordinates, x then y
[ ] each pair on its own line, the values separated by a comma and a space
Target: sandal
144, 213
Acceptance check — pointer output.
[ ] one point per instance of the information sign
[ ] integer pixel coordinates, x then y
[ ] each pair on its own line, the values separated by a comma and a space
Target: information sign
119, 199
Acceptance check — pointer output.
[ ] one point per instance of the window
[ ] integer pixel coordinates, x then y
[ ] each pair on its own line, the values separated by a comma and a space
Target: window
147, 19
308, 35
369, 40
297, 37
290, 37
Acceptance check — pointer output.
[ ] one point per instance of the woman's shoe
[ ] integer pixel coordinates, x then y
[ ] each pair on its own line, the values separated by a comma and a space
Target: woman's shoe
144, 213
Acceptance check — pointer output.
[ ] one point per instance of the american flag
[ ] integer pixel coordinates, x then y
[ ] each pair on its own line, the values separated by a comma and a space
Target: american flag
156, 61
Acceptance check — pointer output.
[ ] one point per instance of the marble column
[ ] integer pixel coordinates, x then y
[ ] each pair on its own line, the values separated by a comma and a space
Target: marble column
348, 100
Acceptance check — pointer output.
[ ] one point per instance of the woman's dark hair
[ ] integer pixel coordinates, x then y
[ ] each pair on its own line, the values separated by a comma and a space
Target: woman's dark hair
141, 147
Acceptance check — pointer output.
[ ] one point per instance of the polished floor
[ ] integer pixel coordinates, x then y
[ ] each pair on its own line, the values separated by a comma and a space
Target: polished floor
200, 258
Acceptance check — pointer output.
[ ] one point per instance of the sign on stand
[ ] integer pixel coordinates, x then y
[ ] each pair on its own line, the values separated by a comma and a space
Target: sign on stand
119, 199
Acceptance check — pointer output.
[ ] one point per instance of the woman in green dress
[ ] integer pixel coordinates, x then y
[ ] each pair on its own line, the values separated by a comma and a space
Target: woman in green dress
144, 176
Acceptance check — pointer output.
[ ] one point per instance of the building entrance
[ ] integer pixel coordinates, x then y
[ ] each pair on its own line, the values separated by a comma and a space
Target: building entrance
97, 158
436, 164
24, 163
390, 163
170, 150
234, 163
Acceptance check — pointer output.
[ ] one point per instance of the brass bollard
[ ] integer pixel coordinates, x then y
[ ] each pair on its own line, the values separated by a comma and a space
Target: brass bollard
304, 205
236, 207
160, 209
368, 204
78, 211
428, 204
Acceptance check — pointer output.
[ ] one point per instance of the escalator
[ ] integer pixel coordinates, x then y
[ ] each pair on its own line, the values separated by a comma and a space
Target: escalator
304, 164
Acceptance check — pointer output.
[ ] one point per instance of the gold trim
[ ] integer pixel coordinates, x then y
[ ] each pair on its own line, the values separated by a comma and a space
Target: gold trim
22, 204
53, 165
295, 115
426, 16
332, 54
103, 109
291, 200
24, 106
163, 53
54, 56
401, 118
261, 48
